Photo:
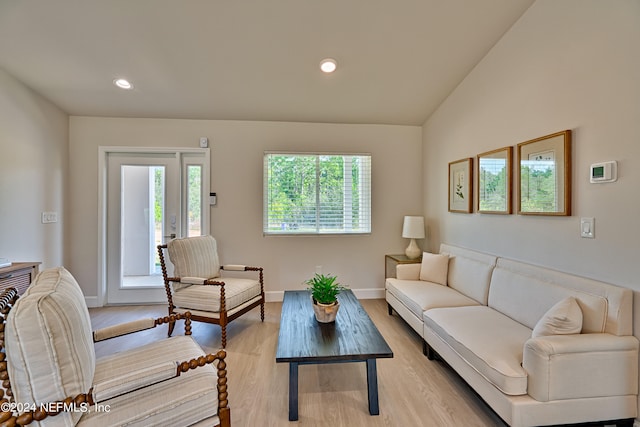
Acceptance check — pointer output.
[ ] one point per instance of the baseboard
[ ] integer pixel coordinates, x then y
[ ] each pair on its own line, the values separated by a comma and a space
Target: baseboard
373, 293
91, 302
277, 296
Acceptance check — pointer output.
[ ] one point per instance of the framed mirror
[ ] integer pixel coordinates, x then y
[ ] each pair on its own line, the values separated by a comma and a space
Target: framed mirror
544, 175
494, 181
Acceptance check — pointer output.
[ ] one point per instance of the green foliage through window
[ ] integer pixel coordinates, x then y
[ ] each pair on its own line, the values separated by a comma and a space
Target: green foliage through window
317, 193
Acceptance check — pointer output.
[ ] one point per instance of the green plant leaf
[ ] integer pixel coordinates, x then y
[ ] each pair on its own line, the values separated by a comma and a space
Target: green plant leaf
324, 288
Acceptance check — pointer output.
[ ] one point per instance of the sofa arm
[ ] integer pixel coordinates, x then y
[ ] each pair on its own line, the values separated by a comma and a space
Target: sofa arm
581, 366
408, 271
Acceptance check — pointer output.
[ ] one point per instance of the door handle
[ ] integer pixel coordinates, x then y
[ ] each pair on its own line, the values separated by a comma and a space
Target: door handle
171, 236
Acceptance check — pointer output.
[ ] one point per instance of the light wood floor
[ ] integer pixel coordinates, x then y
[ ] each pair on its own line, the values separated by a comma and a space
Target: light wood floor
413, 391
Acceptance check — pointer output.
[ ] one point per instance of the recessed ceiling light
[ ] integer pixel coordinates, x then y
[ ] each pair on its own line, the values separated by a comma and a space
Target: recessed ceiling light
123, 83
328, 65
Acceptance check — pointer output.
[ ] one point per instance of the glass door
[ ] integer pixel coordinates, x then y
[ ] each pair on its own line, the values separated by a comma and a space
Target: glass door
151, 198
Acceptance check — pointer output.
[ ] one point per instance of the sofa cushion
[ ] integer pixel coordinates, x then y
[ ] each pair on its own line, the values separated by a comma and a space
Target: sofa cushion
179, 401
207, 297
469, 271
470, 277
526, 299
493, 346
419, 296
49, 344
564, 318
434, 268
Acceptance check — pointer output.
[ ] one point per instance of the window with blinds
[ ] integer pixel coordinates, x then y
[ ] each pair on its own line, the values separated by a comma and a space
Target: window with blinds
317, 193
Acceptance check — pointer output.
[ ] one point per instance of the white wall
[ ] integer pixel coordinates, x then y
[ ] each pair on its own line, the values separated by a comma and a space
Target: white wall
33, 168
236, 176
570, 64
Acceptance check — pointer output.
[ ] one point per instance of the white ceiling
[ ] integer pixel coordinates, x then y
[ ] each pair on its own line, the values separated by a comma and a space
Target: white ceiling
251, 59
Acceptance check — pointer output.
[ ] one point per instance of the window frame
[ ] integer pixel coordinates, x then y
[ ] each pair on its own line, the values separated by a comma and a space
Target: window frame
365, 204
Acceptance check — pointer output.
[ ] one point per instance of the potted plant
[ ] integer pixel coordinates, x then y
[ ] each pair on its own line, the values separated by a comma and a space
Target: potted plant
324, 294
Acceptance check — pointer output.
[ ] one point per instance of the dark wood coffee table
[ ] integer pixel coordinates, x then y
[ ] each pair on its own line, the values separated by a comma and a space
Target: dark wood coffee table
351, 338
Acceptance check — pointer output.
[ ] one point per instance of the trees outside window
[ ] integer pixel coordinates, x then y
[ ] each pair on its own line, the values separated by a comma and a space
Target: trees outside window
317, 193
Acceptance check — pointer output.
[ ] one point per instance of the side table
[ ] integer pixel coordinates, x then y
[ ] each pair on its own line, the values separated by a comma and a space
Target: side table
18, 275
391, 261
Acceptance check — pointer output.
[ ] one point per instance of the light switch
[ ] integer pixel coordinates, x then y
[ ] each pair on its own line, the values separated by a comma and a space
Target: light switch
49, 217
587, 228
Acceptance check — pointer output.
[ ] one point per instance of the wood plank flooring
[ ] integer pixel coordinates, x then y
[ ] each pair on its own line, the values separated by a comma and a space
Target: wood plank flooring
413, 391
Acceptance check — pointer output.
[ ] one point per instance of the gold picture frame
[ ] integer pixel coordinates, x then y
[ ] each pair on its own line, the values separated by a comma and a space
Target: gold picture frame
461, 186
494, 173
544, 175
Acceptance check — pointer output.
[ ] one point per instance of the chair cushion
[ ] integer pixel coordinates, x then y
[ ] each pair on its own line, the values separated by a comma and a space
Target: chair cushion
194, 257
49, 344
185, 400
207, 298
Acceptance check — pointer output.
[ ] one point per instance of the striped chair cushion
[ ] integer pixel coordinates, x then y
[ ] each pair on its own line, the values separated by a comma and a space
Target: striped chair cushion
237, 291
194, 257
185, 400
49, 344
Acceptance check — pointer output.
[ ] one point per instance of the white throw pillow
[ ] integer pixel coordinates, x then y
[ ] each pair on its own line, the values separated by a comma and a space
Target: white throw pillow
434, 268
565, 317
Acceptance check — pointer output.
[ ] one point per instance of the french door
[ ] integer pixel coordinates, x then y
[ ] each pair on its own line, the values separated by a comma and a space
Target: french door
151, 197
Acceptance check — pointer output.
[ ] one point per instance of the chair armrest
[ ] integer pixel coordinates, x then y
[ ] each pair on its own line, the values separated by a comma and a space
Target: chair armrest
234, 267
239, 267
123, 384
123, 329
581, 366
140, 325
408, 271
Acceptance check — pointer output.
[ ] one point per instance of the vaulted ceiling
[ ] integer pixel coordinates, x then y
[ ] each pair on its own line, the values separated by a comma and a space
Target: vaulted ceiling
251, 59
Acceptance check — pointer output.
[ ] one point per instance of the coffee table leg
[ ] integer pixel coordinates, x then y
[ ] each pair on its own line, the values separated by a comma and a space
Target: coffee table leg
293, 391
372, 386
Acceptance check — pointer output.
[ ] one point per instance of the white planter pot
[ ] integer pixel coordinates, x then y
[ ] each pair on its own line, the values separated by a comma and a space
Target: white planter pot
325, 313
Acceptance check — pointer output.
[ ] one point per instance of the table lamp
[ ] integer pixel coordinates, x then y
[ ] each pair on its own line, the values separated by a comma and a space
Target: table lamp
413, 228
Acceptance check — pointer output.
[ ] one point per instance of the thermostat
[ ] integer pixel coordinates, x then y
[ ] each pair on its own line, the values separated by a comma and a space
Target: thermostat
604, 172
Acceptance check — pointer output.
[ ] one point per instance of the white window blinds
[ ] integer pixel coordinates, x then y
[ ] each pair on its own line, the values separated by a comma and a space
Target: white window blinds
315, 193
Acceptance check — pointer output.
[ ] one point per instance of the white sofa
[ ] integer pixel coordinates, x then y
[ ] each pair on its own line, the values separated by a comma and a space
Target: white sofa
496, 322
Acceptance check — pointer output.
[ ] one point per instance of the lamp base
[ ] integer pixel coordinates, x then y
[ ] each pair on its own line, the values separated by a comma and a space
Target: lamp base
413, 251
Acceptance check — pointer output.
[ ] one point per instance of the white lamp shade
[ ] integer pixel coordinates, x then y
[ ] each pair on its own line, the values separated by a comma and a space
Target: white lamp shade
413, 227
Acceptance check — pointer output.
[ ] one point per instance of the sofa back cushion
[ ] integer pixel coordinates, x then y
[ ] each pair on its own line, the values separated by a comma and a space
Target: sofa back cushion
525, 292
49, 345
469, 271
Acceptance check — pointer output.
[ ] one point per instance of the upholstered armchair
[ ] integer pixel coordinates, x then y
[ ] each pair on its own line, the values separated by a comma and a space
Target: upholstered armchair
196, 284
51, 376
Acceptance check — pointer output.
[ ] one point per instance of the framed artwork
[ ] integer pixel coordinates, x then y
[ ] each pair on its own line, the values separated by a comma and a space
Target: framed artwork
544, 175
494, 181
461, 186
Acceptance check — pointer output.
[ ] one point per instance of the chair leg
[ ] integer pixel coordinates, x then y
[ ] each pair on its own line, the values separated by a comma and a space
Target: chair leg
262, 311
223, 333
171, 326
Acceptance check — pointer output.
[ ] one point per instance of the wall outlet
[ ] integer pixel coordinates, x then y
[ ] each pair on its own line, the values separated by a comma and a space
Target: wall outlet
318, 269
49, 217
